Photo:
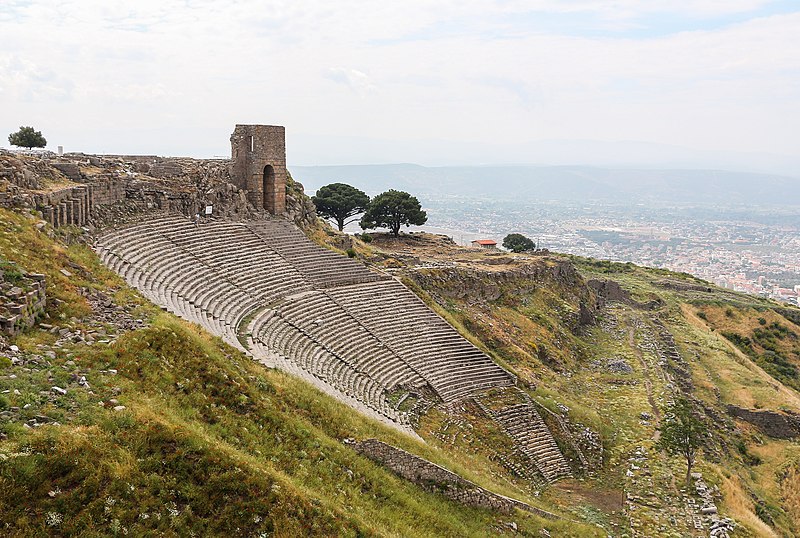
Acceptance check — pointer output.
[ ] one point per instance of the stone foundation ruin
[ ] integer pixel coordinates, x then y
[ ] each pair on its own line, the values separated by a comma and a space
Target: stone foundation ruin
22, 301
437, 479
253, 182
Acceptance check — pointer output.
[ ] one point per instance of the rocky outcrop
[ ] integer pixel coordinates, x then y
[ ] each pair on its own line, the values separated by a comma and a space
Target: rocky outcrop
774, 424
299, 207
437, 479
609, 290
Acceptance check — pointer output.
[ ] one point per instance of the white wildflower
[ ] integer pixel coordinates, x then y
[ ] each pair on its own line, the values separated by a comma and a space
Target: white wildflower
53, 519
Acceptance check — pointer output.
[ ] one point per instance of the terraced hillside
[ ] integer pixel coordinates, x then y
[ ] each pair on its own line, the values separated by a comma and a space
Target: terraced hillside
357, 334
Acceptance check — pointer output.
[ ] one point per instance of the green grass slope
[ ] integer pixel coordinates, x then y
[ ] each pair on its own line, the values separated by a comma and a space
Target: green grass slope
166, 431
608, 384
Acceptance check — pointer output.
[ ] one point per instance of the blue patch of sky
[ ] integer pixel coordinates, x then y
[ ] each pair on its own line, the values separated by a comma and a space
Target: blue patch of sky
587, 24
12, 9
650, 25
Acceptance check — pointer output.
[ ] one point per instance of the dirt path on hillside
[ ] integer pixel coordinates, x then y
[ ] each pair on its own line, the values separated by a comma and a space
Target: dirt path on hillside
648, 381
785, 391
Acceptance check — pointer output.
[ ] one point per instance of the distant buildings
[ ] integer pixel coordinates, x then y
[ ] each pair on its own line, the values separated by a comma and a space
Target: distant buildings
484, 243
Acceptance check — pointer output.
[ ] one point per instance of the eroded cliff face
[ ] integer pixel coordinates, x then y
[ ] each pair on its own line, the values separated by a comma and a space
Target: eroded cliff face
513, 285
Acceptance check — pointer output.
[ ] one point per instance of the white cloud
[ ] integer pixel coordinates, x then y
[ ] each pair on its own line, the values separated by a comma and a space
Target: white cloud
354, 79
472, 70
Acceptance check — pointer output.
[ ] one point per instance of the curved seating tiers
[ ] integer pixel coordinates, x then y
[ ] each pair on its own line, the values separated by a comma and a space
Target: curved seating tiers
359, 334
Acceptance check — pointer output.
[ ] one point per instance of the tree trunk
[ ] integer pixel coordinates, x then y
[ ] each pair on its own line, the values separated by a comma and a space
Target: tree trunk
688, 473
340, 222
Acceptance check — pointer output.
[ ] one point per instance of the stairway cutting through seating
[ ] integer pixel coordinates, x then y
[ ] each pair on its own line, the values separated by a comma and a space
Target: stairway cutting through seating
357, 334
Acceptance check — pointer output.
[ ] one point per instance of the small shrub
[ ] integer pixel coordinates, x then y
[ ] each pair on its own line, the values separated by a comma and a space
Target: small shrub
729, 313
749, 459
762, 321
11, 273
365, 237
702, 315
5, 362
350, 253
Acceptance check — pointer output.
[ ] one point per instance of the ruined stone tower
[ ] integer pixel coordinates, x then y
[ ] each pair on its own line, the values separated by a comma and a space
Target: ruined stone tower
258, 153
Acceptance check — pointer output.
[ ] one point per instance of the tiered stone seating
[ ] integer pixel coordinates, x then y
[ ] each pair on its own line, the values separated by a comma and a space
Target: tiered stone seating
291, 336
533, 439
356, 334
321, 266
428, 344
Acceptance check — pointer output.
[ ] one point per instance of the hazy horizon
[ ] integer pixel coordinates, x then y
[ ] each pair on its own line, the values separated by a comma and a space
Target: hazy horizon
706, 84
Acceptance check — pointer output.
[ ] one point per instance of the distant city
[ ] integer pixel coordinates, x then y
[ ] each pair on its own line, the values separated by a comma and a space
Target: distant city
752, 250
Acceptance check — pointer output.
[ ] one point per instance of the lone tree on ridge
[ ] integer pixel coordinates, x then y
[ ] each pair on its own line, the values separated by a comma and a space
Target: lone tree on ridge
518, 243
339, 202
392, 209
26, 137
682, 433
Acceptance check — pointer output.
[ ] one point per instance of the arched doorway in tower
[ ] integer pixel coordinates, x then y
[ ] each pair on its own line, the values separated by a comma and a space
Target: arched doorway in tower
269, 189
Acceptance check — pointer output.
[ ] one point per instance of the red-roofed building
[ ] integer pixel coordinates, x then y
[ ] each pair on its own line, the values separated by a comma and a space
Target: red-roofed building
484, 243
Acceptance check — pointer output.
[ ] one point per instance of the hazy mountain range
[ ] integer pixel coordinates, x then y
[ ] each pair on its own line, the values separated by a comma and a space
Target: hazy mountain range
565, 183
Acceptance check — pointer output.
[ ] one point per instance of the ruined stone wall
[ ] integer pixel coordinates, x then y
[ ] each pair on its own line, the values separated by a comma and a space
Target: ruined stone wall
777, 425
258, 153
438, 479
108, 188
21, 303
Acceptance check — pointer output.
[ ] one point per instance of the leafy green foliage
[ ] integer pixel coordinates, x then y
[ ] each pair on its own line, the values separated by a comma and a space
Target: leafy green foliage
10, 271
27, 137
773, 359
518, 243
393, 209
208, 443
339, 202
682, 433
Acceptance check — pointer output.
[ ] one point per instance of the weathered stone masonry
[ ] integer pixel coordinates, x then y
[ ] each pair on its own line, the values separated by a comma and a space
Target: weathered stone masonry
253, 181
258, 153
21, 303
438, 479
777, 425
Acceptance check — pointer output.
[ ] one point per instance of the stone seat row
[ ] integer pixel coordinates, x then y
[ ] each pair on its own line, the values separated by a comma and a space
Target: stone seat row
532, 437
453, 366
288, 340
322, 266
327, 322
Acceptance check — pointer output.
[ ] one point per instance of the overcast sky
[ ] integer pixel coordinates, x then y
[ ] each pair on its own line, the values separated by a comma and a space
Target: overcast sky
434, 82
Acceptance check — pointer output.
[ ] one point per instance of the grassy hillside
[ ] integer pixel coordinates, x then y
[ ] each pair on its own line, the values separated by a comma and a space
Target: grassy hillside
607, 382
164, 430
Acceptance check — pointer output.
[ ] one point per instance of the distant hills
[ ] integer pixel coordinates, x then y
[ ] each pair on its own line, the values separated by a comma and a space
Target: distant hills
562, 183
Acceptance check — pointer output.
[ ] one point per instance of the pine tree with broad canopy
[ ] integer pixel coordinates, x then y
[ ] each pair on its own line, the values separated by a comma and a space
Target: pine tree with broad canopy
393, 209
339, 202
27, 137
518, 243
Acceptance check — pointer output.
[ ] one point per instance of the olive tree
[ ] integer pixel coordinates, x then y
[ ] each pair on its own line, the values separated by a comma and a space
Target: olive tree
682, 433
